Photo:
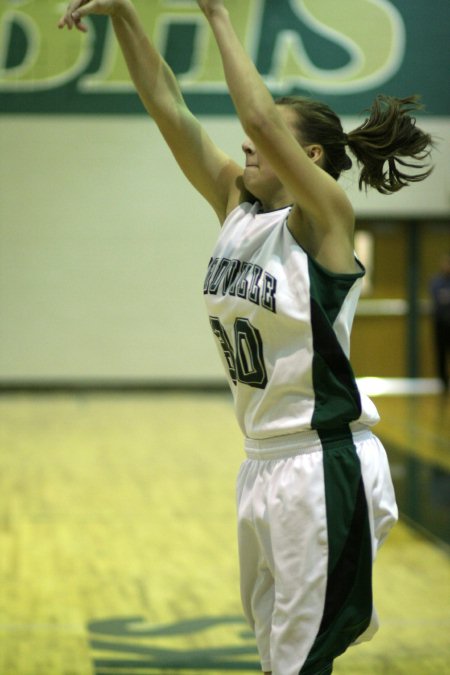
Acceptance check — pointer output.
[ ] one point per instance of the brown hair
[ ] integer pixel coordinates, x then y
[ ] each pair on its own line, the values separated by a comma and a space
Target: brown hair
380, 144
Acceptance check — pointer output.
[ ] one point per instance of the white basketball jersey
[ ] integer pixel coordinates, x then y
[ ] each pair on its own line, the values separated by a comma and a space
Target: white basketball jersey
282, 325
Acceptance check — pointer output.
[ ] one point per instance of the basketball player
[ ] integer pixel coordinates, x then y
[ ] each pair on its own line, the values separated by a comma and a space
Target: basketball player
315, 497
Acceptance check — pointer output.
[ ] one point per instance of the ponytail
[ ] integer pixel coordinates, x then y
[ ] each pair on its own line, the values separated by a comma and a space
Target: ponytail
388, 141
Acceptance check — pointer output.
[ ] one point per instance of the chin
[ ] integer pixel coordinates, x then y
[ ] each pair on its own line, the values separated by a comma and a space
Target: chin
250, 185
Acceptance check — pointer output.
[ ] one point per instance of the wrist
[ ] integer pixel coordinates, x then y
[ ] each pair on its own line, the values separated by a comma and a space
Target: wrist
216, 13
122, 9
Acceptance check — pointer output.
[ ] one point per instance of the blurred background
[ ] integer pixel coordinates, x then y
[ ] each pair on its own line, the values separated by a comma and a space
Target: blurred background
104, 245
111, 502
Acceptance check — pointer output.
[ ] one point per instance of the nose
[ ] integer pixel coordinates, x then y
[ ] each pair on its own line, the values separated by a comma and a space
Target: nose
248, 147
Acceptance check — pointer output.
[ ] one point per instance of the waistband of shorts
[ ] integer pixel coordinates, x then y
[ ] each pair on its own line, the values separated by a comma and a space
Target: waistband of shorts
301, 443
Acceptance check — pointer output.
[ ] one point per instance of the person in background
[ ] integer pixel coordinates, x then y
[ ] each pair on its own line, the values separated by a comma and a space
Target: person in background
440, 296
315, 496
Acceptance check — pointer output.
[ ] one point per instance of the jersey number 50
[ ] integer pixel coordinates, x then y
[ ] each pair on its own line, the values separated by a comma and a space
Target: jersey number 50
245, 362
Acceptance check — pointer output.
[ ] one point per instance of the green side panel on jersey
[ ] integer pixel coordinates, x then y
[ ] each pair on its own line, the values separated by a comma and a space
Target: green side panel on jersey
348, 600
337, 400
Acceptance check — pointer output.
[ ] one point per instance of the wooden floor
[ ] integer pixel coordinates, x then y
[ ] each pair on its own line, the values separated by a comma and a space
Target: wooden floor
118, 554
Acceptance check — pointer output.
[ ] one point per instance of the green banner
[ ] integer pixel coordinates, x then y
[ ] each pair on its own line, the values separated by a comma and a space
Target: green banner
341, 51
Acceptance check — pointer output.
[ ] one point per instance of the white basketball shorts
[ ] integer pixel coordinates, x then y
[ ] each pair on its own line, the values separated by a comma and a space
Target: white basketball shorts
313, 508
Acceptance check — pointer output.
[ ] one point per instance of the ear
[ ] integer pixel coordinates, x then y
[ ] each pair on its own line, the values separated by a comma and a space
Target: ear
314, 152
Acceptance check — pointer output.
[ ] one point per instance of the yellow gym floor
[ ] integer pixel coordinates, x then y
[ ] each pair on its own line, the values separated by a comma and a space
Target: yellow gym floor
118, 553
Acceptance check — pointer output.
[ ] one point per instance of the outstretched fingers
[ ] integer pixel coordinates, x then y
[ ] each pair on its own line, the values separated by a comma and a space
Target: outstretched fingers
74, 14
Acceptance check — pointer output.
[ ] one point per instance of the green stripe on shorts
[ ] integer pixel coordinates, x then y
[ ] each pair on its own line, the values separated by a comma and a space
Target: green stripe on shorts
348, 600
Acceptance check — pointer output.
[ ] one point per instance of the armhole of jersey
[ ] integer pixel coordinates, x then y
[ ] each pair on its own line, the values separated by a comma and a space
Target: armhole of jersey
323, 270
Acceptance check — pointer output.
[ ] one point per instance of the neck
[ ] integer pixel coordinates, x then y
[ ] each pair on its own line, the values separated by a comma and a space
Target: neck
268, 209
278, 202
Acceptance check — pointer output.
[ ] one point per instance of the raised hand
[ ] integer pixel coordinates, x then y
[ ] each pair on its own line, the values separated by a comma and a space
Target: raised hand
77, 9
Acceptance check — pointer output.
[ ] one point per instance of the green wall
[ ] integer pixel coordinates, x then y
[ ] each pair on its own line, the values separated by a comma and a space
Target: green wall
343, 51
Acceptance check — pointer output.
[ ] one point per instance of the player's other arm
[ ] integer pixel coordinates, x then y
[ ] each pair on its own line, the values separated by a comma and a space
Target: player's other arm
207, 167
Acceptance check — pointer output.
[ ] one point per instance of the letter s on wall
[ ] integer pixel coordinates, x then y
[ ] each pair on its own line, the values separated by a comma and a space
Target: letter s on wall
371, 31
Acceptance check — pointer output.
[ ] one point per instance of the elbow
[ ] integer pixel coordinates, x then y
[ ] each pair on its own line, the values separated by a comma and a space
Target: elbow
259, 125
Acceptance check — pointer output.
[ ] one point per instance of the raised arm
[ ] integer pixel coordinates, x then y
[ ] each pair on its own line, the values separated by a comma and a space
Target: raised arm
207, 167
319, 200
